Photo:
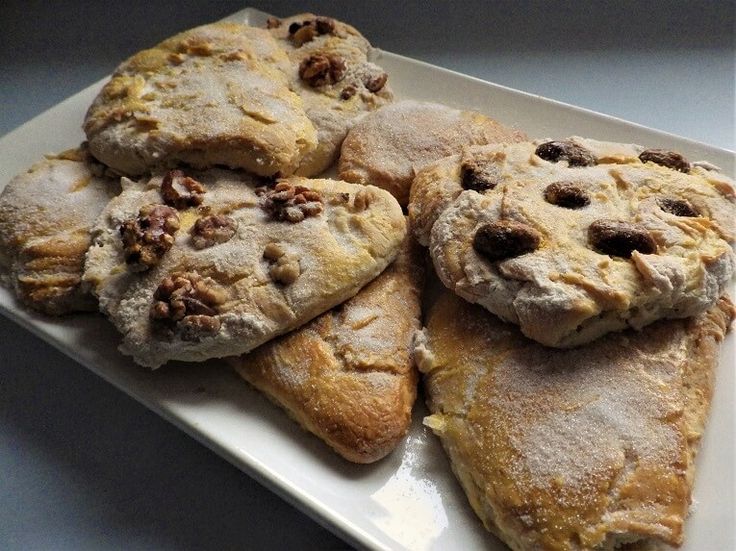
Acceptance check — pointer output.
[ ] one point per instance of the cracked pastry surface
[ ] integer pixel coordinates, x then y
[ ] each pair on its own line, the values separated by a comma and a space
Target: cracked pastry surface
348, 376
387, 147
573, 249
575, 449
45, 217
213, 95
331, 72
182, 285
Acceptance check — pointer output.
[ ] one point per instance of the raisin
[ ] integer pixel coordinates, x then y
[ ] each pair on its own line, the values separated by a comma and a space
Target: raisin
616, 238
505, 239
565, 150
678, 207
669, 159
479, 175
566, 195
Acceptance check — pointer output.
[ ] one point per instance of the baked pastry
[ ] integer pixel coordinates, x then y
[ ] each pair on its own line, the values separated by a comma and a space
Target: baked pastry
331, 72
574, 239
387, 147
348, 376
45, 217
213, 95
587, 448
210, 264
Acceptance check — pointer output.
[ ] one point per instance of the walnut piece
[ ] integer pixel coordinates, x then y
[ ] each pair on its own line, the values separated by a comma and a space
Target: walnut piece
291, 203
149, 236
374, 83
284, 266
320, 69
273, 23
505, 239
362, 200
188, 303
565, 150
180, 191
212, 230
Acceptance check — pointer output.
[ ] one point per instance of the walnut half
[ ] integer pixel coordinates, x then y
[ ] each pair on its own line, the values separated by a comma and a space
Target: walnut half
212, 230
180, 191
188, 303
149, 236
291, 203
284, 267
320, 69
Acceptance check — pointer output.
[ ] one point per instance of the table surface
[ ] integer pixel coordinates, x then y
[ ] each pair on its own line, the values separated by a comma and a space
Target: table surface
82, 465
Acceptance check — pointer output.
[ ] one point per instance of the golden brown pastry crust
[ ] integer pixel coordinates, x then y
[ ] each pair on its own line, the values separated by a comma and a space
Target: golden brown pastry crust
387, 147
213, 95
348, 376
573, 449
45, 217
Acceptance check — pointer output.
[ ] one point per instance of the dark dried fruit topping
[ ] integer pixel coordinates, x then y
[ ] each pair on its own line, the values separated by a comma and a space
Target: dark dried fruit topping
188, 303
306, 31
479, 175
566, 195
149, 236
616, 238
670, 159
375, 83
505, 239
348, 92
678, 207
291, 203
180, 191
565, 150
320, 69
212, 230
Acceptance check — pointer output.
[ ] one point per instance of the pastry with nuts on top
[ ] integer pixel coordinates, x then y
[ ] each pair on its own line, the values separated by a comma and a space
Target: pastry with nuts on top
576, 238
45, 217
331, 71
213, 95
195, 265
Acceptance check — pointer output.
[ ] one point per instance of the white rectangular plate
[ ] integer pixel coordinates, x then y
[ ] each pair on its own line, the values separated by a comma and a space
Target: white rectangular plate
410, 500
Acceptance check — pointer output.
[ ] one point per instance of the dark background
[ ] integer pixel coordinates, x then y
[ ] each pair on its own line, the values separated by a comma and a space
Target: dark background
82, 466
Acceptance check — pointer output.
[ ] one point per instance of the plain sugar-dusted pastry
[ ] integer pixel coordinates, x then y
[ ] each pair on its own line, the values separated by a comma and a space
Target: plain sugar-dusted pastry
190, 266
45, 217
387, 147
213, 95
574, 239
566, 450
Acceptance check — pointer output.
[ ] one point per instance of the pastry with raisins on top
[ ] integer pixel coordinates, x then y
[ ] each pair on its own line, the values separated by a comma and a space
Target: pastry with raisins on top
574, 239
